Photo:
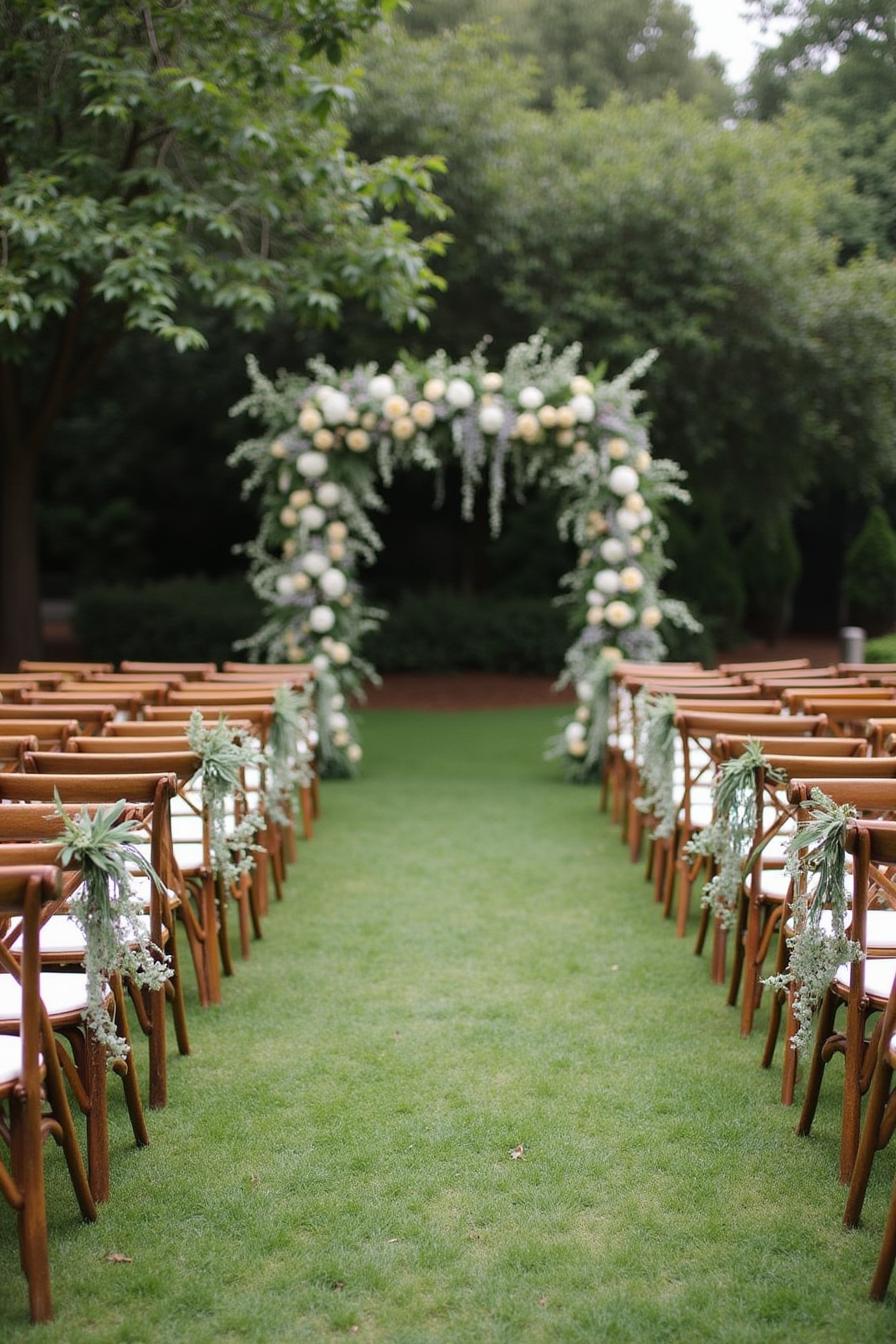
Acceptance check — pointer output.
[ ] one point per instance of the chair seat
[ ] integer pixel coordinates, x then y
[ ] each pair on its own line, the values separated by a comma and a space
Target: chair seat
61, 935
10, 1059
62, 995
879, 976
775, 884
880, 928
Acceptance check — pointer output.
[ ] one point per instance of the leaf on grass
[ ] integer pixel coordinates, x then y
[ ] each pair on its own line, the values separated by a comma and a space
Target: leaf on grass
542, 1301
337, 1285
518, 1151
118, 1258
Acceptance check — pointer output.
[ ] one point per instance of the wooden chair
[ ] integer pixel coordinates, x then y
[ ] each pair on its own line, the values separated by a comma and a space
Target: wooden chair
189, 671
12, 749
89, 717
865, 986
28, 1068
49, 734
849, 717
784, 665
69, 669
122, 700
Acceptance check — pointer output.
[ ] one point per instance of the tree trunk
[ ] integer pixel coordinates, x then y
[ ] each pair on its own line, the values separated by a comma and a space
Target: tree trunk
20, 585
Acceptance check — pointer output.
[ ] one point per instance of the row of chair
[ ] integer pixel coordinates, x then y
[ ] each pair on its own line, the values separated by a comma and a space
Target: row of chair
82, 735
831, 729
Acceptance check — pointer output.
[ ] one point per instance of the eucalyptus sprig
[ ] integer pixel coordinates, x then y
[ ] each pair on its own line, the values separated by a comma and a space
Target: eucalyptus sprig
108, 911
656, 760
816, 861
225, 756
728, 837
288, 751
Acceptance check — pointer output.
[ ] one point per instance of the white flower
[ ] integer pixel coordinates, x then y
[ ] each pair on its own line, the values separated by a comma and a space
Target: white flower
341, 654
459, 394
581, 446
575, 732
627, 520
333, 583
315, 563
595, 615
612, 550
631, 580
320, 662
623, 480
565, 438
491, 418
531, 398
636, 546
577, 748
310, 419
646, 516
341, 738
434, 389
312, 465
611, 654
642, 460
618, 449
336, 551
381, 387
337, 531
619, 614
354, 753
328, 494
547, 416
299, 498
289, 548
606, 581
323, 440
566, 417
527, 427
278, 448
313, 517
337, 701
423, 414
336, 407
580, 386
338, 721
288, 516
358, 440
651, 617
284, 585
321, 619
634, 501
583, 713
403, 428
584, 690
368, 420
594, 598
395, 406
301, 583
584, 408
492, 382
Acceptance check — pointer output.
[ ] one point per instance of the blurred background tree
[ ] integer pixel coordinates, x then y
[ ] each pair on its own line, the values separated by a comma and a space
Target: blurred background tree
606, 184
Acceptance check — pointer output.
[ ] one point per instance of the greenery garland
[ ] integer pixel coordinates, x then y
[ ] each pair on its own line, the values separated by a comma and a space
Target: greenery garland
656, 760
288, 751
817, 850
728, 837
224, 758
108, 912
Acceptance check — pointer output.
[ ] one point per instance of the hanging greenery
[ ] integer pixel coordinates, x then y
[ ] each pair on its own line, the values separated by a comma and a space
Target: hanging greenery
225, 757
330, 439
108, 912
728, 837
656, 760
289, 752
816, 861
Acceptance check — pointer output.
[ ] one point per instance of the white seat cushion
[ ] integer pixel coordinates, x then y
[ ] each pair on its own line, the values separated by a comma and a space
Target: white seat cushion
775, 883
10, 1059
880, 928
61, 994
879, 975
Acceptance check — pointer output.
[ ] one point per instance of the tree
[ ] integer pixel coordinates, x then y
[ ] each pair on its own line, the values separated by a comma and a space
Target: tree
869, 584
644, 48
160, 161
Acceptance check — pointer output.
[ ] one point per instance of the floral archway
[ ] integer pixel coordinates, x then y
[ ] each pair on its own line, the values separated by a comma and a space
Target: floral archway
330, 439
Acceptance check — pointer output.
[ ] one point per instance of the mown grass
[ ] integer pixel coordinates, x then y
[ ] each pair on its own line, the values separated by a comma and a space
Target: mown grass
466, 961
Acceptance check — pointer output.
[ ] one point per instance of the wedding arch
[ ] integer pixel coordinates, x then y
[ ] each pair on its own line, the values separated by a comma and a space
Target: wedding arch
329, 440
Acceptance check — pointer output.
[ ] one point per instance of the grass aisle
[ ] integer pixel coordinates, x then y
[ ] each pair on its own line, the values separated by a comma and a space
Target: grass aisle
466, 962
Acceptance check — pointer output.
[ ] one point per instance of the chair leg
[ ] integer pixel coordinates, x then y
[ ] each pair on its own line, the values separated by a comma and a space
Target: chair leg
869, 1142
823, 1029
223, 932
97, 1119
851, 1119
243, 915
791, 1055
737, 961
28, 1173
128, 1068
884, 1270
685, 883
67, 1138
178, 1006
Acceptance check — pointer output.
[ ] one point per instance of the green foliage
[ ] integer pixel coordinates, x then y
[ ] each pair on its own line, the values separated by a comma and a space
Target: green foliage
193, 619
657, 736
869, 583
226, 756
109, 913
816, 862
641, 48
882, 650
445, 631
708, 571
771, 565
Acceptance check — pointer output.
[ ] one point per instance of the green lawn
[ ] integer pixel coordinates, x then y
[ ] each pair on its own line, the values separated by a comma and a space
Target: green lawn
466, 961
